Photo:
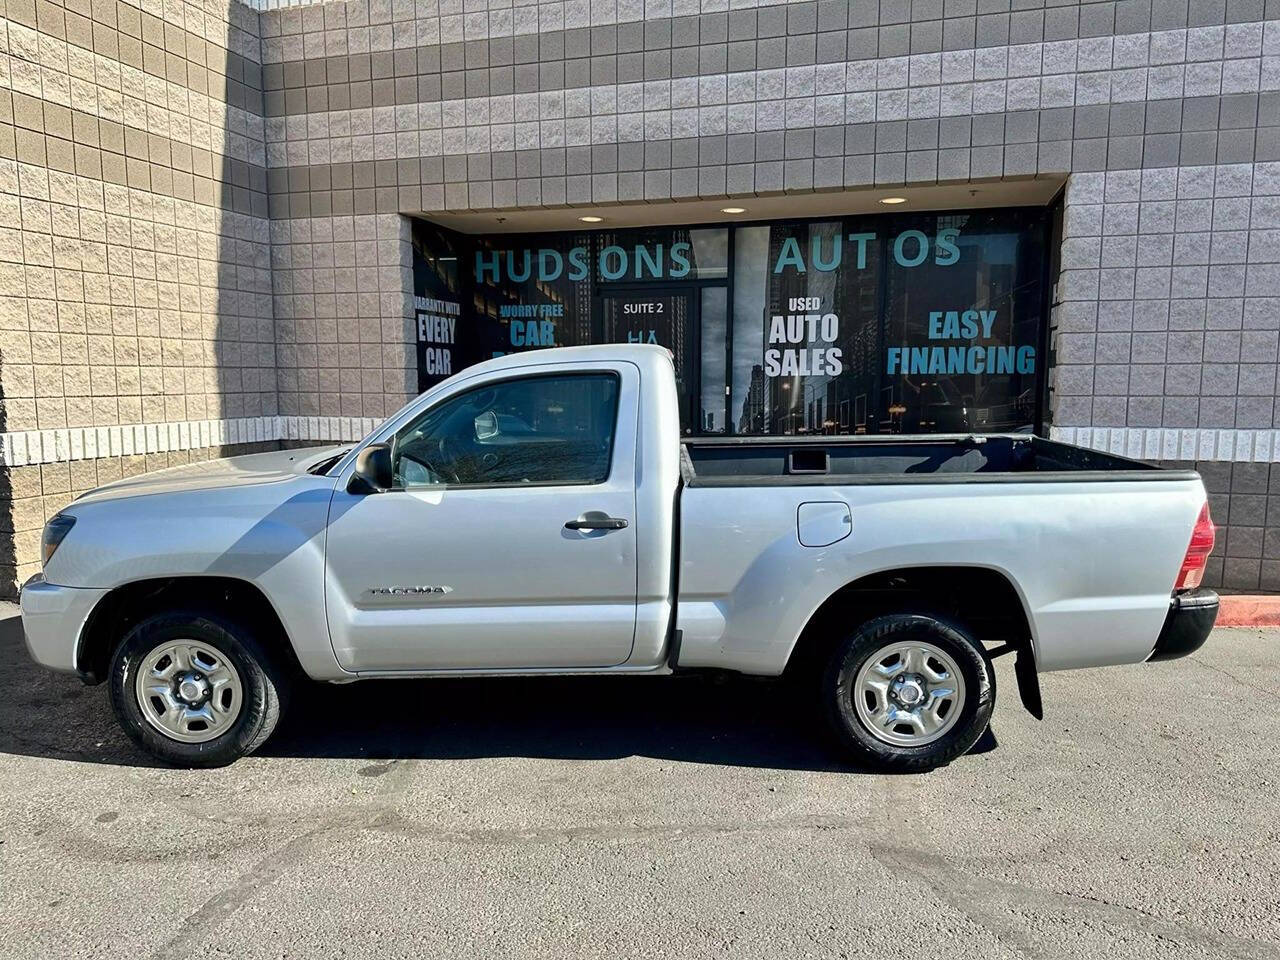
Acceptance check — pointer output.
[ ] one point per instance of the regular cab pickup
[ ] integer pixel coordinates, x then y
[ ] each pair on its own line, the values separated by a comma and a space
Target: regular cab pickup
540, 513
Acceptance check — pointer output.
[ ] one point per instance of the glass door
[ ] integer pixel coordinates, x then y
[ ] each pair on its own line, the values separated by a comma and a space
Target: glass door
663, 316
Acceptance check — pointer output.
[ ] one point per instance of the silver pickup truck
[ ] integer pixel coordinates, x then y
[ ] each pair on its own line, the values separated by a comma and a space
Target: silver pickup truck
539, 513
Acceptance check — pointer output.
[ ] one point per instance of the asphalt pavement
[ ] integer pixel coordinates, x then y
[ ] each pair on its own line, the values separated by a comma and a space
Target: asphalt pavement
682, 818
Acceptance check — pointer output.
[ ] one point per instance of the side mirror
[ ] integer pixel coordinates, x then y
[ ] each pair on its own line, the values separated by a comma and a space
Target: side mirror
486, 425
373, 470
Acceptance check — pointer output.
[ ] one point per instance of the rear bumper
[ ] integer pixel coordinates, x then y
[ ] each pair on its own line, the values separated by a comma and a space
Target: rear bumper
1187, 625
52, 618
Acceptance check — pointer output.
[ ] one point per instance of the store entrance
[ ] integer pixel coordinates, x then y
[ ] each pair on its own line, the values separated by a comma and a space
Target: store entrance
666, 316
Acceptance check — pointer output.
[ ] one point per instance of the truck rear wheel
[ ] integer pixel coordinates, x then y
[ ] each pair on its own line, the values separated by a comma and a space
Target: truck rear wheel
194, 689
908, 692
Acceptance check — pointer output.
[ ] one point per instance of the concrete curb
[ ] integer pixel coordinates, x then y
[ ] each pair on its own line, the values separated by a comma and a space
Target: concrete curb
1242, 610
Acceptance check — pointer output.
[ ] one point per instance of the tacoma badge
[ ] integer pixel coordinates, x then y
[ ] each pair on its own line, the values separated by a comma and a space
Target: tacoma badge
408, 591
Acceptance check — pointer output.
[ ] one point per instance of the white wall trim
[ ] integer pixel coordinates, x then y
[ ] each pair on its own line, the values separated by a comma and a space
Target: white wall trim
1172, 443
29, 447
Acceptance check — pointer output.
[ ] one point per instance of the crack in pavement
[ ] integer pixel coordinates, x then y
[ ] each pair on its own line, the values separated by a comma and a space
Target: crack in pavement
534, 836
981, 898
194, 929
902, 804
1215, 668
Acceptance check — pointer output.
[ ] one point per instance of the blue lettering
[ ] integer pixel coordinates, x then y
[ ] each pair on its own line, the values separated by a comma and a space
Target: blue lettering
680, 257
861, 240
646, 260
947, 245
815, 253
578, 268
789, 256
486, 263
613, 251
519, 276
922, 248
546, 274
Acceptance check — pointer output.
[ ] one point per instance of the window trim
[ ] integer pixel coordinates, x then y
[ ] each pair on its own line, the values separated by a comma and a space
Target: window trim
613, 375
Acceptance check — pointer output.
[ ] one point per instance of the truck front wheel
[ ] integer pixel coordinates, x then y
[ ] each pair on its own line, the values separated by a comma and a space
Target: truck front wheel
194, 689
908, 692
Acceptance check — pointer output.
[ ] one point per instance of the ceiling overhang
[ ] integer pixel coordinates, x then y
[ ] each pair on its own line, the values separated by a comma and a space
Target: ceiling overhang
1026, 191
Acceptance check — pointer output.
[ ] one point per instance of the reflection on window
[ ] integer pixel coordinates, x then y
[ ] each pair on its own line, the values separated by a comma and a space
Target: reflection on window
750, 289
556, 429
902, 324
710, 253
715, 329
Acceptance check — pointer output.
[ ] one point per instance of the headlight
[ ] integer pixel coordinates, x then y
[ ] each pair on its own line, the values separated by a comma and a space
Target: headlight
54, 532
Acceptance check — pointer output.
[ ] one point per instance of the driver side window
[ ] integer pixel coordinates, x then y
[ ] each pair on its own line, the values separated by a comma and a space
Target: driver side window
546, 429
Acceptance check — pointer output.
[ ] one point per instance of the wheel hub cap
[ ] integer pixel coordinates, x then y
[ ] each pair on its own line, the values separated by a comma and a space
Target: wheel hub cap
909, 693
193, 688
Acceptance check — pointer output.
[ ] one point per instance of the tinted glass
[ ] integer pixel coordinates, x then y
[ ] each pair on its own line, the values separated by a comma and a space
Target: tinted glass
888, 323
713, 321
924, 323
656, 317
963, 318
532, 430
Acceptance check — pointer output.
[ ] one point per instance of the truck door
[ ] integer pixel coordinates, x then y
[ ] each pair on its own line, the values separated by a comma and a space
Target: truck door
509, 538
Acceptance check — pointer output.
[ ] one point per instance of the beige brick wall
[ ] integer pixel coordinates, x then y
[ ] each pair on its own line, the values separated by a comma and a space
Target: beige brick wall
134, 246
343, 314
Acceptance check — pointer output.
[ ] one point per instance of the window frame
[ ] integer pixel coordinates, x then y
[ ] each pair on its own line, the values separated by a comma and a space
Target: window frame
516, 484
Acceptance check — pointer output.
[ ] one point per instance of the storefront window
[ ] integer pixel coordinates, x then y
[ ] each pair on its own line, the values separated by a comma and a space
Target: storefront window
962, 328
926, 323
877, 324
805, 326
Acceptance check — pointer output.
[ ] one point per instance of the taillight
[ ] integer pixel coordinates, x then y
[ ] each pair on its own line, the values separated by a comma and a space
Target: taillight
1201, 546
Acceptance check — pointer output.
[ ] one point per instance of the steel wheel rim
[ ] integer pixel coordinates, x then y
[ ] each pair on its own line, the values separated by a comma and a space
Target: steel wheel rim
189, 690
909, 693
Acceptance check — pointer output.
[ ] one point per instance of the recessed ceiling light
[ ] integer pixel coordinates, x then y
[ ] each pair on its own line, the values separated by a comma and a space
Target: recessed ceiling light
733, 209
591, 219
893, 200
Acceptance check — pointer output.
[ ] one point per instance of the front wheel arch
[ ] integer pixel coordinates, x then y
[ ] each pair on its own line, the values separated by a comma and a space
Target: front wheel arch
129, 603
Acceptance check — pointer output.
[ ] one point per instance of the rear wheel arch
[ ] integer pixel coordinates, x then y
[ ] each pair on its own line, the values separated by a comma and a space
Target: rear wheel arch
125, 605
983, 601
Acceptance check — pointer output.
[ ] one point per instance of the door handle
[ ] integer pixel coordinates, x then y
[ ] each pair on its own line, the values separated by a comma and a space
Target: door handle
596, 521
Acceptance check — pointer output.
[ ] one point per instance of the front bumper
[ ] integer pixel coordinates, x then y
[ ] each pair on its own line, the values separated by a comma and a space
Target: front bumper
52, 619
1187, 625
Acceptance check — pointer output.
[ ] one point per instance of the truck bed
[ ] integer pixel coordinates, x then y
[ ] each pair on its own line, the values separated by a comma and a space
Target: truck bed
1091, 542
994, 458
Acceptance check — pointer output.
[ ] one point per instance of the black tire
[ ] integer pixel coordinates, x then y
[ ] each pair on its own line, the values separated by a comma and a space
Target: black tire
973, 712
264, 684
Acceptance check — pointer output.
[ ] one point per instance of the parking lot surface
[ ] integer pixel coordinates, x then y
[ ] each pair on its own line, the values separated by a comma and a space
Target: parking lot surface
652, 818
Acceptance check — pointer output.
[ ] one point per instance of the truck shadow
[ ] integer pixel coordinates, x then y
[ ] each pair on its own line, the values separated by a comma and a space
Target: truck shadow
696, 719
